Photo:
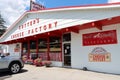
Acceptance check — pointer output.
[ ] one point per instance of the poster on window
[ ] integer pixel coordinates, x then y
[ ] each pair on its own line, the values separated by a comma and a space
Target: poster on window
17, 48
99, 54
100, 38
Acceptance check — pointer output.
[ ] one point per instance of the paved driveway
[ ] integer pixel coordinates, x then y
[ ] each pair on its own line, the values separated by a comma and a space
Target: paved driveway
31, 72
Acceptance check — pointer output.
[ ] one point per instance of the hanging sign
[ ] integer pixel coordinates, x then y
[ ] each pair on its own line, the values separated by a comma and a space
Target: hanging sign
99, 38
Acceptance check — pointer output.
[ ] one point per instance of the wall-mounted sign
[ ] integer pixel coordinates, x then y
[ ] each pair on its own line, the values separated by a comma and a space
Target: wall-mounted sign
99, 54
99, 38
33, 27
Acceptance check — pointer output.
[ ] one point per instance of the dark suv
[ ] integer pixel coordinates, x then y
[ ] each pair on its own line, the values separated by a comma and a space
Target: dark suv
13, 64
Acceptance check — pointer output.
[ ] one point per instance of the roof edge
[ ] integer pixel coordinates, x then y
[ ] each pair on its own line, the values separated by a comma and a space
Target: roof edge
58, 8
79, 6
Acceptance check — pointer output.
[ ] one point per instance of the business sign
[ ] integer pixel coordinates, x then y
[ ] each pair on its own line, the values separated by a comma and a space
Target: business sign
100, 38
99, 54
33, 27
35, 6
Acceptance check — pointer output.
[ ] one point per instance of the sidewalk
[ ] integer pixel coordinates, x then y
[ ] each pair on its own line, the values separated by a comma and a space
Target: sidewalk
55, 73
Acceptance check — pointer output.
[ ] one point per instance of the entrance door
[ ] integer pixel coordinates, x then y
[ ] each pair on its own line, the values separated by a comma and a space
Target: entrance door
67, 54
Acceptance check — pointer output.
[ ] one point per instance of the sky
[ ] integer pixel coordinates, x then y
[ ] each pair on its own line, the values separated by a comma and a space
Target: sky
11, 10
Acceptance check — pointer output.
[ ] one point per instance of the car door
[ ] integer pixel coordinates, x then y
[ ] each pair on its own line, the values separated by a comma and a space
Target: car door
4, 62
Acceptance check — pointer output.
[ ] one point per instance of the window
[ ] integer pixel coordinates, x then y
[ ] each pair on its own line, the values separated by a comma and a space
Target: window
67, 37
55, 49
55, 45
25, 48
32, 46
42, 46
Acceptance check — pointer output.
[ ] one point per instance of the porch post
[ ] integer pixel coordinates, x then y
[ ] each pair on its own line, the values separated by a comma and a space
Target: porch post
37, 48
28, 55
61, 48
48, 49
21, 49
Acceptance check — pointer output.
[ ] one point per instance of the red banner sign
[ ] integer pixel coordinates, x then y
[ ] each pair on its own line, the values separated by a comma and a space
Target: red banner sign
99, 38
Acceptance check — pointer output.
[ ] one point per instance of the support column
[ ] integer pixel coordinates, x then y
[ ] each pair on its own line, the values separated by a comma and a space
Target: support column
48, 48
21, 49
37, 48
61, 48
28, 55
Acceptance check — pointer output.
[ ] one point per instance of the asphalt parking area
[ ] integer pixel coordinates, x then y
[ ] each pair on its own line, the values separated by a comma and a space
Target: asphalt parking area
4, 75
31, 72
7, 74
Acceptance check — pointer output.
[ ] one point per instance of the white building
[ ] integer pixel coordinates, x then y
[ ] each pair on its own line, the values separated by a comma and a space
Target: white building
76, 37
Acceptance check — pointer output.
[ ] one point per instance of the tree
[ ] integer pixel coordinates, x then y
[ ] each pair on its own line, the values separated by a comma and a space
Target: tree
2, 27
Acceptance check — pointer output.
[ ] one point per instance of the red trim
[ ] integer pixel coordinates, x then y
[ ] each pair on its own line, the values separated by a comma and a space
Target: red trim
37, 50
21, 48
108, 4
76, 28
48, 47
61, 49
89, 5
28, 56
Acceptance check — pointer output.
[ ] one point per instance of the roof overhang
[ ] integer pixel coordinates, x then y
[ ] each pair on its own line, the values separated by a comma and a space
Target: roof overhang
95, 21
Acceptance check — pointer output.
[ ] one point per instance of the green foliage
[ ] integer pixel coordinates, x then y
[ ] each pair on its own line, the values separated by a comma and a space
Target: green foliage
2, 27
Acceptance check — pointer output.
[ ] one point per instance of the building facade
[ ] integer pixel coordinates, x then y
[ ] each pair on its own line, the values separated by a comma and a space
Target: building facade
76, 37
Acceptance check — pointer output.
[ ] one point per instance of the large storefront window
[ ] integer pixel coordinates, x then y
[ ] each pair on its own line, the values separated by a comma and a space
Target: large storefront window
42, 48
24, 51
55, 48
67, 37
33, 49
25, 48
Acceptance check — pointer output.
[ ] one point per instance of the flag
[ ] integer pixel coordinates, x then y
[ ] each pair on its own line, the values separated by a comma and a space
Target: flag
35, 6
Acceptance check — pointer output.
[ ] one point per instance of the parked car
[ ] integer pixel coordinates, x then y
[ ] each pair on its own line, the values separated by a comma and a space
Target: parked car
11, 63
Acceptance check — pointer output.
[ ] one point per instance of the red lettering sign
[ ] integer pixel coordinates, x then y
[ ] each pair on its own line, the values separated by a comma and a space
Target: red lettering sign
30, 23
42, 28
100, 57
17, 35
98, 38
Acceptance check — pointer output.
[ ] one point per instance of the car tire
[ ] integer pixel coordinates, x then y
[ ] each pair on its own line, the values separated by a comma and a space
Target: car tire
15, 68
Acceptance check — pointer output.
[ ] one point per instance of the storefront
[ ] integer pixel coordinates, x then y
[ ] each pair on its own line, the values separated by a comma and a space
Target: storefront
76, 37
